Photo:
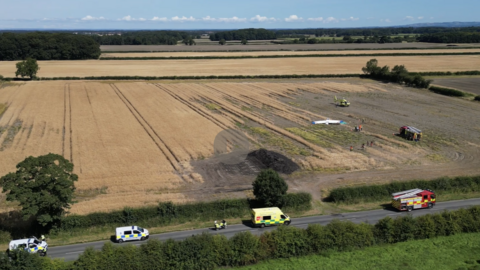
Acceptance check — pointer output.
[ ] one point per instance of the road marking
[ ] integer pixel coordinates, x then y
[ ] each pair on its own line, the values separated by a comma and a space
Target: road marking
74, 252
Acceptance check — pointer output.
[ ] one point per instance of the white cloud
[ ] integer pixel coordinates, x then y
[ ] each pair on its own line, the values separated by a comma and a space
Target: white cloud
294, 18
158, 19
420, 18
386, 20
183, 19
233, 19
127, 18
142, 19
350, 19
330, 19
410, 18
259, 18
319, 19
90, 18
431, 18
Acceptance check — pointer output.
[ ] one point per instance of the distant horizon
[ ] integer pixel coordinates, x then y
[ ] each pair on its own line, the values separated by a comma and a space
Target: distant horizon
221, 14
232, 29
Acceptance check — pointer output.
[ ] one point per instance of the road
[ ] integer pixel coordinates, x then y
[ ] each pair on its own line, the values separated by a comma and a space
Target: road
71, 252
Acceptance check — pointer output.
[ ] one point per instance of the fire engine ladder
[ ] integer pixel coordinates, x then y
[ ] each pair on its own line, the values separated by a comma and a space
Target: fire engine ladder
406, 193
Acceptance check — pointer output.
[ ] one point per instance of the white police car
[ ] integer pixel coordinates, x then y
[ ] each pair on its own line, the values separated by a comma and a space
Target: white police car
32, 245
131, 233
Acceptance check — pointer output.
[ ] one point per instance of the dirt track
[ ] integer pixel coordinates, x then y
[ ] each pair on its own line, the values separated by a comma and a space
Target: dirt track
274, 47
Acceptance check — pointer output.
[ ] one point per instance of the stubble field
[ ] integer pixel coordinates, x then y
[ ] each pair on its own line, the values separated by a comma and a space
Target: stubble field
277, 66
137, 143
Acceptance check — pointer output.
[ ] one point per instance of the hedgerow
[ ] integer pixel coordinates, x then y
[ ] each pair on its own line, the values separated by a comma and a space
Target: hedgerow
477, 98
167, 212
446, 91
375, 193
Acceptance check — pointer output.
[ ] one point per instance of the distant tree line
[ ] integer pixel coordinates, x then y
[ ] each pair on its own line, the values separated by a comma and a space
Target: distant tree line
47, 46
386, 31
142, 38
244, 34
451, 37
349, 39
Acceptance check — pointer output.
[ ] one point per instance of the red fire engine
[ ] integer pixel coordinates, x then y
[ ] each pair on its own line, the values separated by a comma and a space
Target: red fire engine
413, 199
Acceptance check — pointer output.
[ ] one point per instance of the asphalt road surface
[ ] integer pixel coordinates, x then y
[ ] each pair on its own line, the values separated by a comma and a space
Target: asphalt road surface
71, 252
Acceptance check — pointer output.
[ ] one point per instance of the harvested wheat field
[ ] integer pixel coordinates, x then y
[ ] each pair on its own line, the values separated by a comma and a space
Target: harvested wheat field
276, 66
138, 143
259, 53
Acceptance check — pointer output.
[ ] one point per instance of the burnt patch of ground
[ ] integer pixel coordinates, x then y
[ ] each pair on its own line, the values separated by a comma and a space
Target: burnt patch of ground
273, 160
467, 84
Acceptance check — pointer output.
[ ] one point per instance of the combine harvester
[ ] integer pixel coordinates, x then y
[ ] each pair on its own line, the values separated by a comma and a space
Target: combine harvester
330, 122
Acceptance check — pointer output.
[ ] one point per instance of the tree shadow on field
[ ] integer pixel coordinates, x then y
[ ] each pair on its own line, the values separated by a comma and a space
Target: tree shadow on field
18, 228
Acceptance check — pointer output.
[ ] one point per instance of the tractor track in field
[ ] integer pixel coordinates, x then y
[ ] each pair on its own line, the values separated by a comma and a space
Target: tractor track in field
191, 106
204, 113
167, 152
67, 124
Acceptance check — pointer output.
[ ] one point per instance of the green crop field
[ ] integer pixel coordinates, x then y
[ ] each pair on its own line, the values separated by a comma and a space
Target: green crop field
452, 252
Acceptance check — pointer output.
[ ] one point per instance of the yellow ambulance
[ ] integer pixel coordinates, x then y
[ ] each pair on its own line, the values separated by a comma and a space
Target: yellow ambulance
262, 217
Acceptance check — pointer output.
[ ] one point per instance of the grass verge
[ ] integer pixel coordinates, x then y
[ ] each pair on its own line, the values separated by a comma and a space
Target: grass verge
451, 252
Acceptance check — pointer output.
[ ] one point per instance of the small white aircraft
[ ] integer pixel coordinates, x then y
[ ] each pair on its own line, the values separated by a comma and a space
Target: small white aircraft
329, 122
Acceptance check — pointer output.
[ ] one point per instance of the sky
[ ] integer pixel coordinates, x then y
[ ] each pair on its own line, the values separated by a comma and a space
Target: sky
229, 14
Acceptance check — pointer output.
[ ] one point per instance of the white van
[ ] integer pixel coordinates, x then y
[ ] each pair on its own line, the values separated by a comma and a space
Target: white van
32, 245
131, 233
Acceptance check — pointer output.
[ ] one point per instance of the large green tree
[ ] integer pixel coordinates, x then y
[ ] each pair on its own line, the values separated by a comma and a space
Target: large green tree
27, 68
269, 188
43, 186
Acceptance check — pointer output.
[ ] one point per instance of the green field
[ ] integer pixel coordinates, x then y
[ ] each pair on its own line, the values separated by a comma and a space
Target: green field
452, 252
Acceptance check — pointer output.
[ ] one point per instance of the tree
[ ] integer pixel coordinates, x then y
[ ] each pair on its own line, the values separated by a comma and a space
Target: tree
222, 42
269, 188
244, 41
372, 67
43, 186
28, 68
189, 41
